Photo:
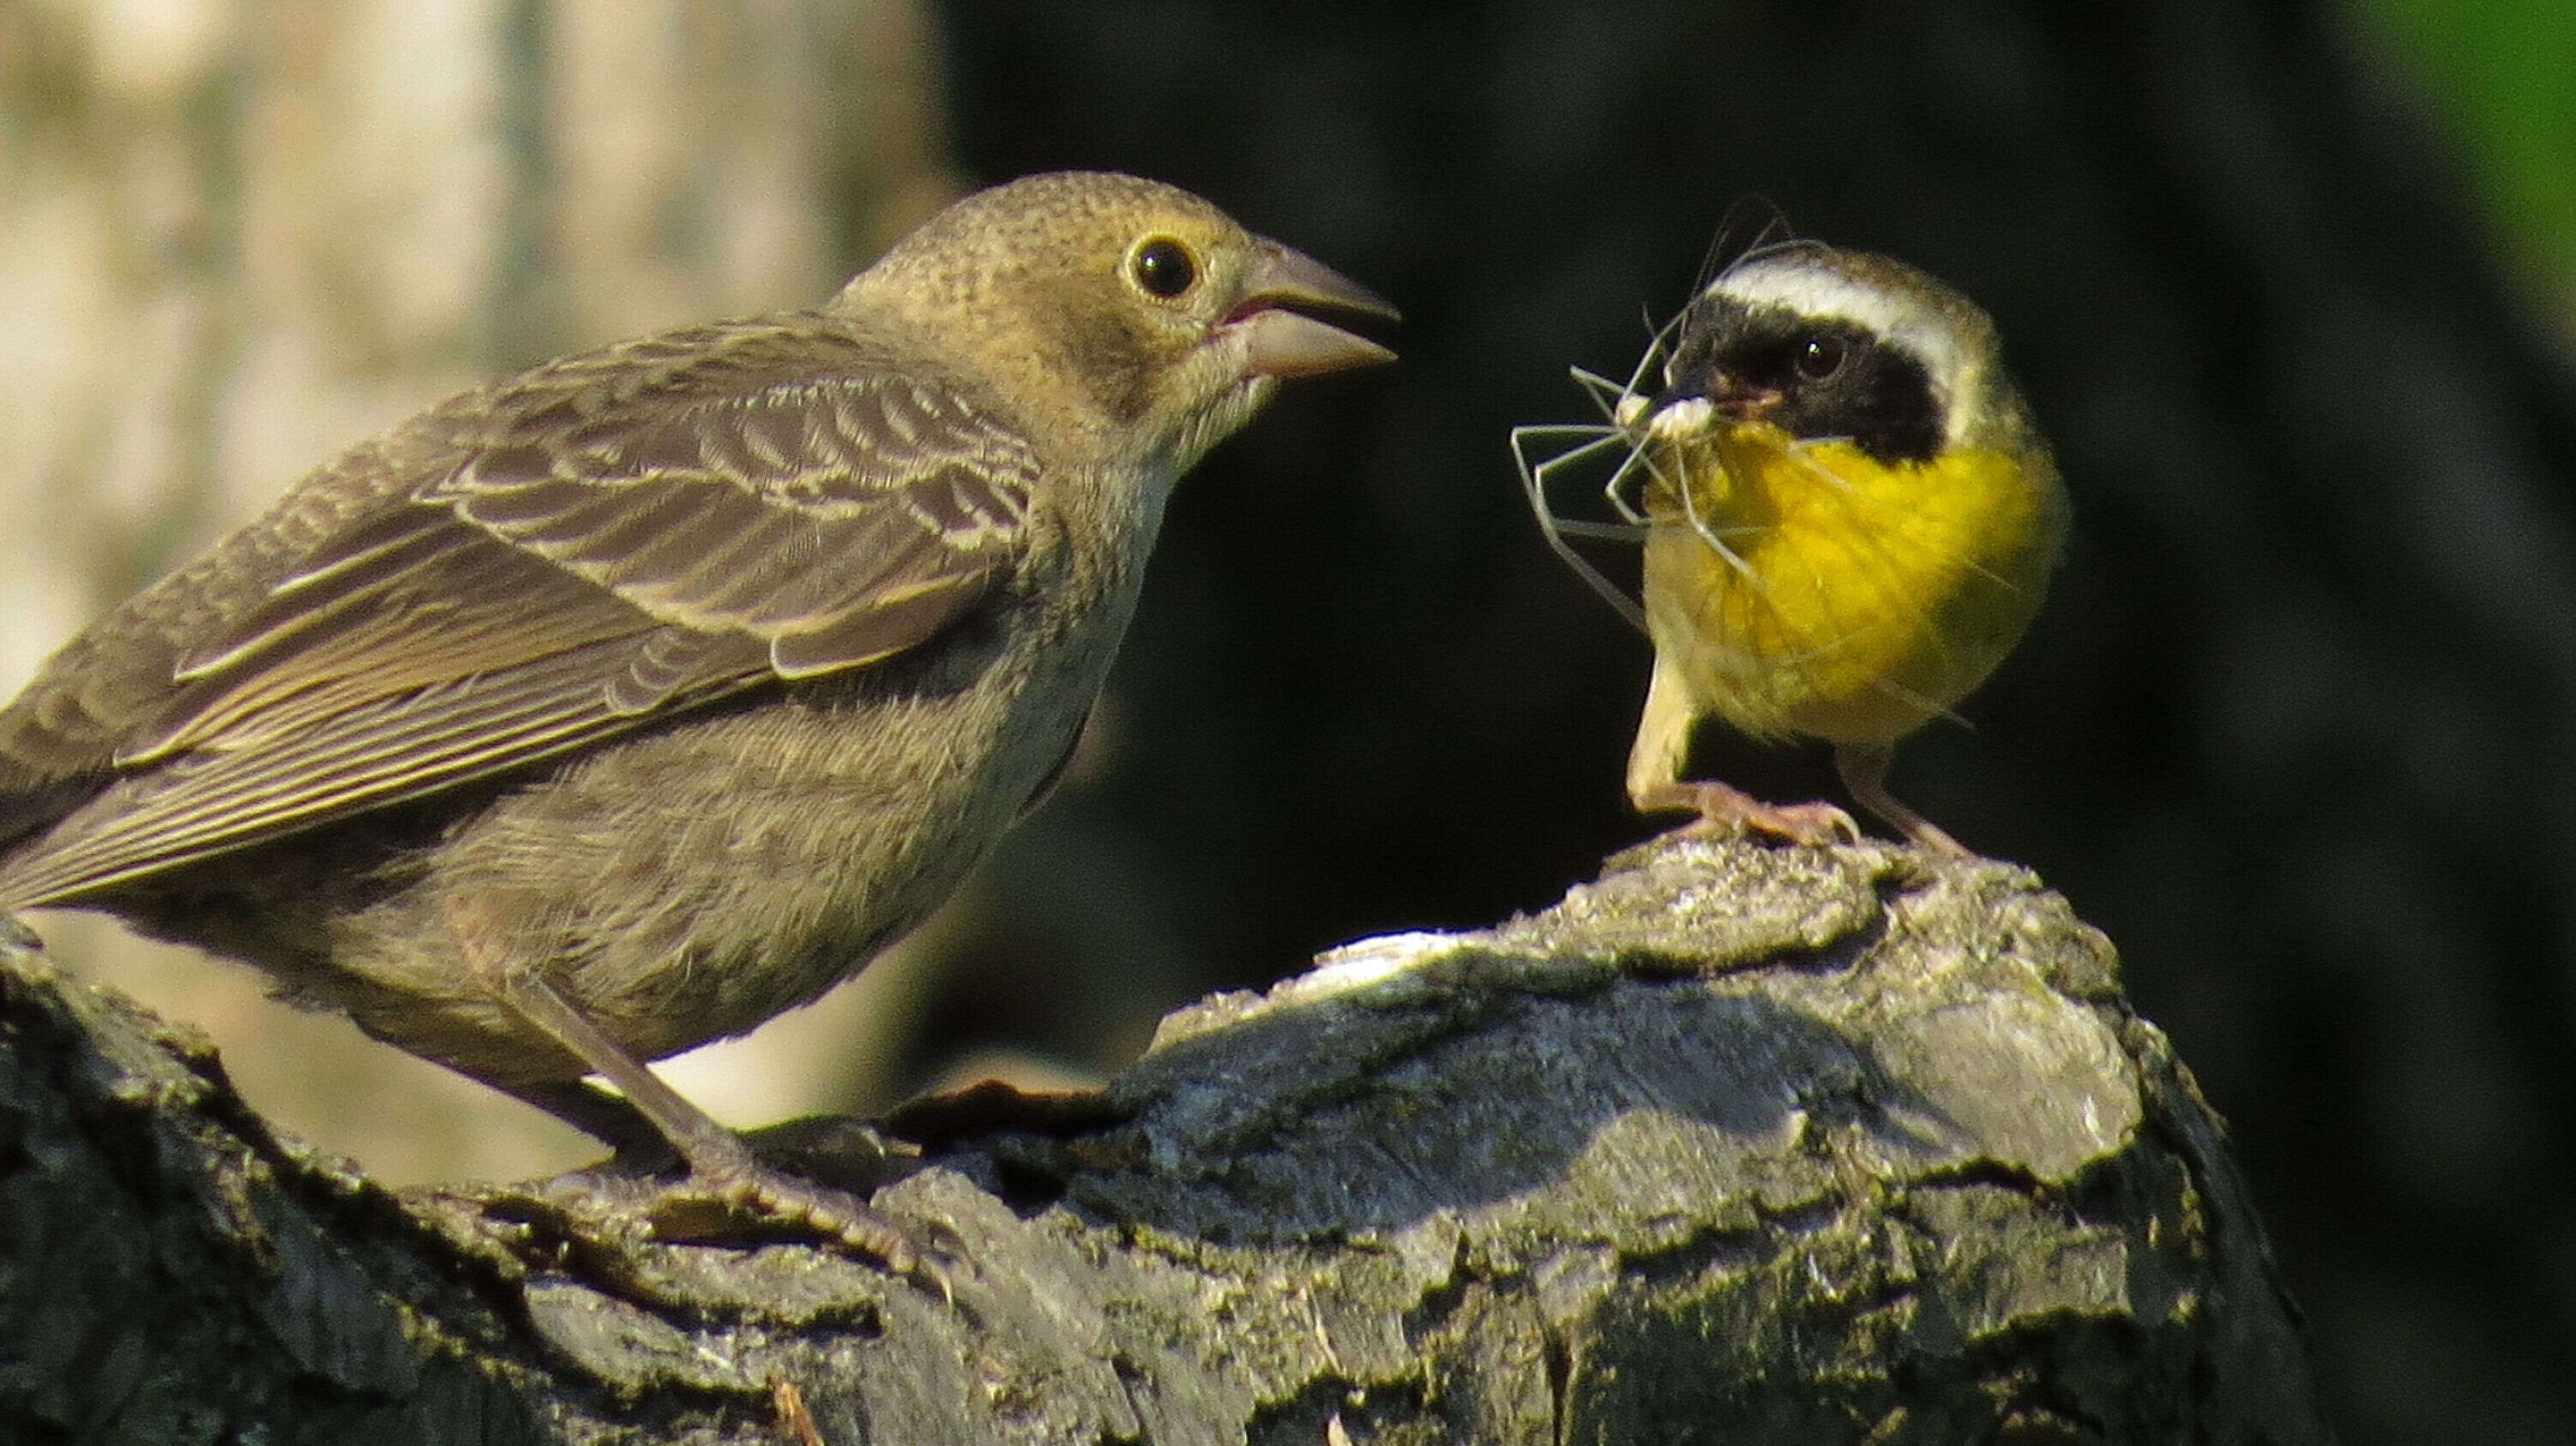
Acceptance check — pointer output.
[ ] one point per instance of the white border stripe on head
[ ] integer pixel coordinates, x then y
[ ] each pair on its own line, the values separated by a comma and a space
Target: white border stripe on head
1805, 280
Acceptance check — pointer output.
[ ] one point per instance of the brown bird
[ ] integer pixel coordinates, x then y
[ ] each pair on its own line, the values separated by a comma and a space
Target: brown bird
619, 705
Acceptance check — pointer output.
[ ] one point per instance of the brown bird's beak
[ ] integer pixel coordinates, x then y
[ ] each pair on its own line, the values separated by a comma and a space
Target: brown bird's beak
1282, 316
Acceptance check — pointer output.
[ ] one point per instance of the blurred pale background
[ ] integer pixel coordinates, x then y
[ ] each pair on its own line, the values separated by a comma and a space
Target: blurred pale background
2290, 282
235, 238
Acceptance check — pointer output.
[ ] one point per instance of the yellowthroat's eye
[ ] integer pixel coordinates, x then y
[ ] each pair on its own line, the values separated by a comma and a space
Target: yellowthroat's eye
1817, 358
1163, 267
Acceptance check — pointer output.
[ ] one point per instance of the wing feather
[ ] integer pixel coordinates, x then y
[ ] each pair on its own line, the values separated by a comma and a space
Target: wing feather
384, 750
591, 547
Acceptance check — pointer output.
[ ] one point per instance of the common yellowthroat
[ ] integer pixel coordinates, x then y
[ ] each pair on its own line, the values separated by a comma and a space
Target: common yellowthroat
1848, 517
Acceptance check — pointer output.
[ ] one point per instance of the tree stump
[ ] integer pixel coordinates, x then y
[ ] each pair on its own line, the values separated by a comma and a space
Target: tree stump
1737, 1143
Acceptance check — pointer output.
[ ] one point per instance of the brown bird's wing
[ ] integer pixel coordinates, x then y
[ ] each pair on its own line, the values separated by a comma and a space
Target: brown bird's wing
622, 535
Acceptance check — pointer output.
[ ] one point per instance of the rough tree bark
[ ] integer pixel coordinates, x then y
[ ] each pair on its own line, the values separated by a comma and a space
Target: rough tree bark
1734, 1144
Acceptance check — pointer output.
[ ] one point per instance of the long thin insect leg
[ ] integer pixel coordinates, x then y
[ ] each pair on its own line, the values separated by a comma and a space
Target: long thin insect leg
1636, 460
1534, 482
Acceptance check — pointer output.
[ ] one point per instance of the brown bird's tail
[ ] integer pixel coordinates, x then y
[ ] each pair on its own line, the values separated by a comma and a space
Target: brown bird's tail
29, 804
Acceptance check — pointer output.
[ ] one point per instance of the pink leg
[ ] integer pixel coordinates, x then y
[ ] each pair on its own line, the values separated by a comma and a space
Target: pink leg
1864, 772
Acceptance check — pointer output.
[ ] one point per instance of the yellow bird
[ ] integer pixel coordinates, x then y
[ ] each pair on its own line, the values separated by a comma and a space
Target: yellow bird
1848, 516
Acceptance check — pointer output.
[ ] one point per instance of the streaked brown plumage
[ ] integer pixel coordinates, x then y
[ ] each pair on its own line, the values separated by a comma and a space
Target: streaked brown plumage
617, 706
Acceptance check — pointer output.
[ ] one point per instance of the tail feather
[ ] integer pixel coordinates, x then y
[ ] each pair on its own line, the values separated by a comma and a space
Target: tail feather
30, 806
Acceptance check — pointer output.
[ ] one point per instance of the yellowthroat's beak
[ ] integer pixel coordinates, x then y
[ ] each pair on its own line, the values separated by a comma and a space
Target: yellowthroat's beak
1282, 315
1714, 400
1726, 394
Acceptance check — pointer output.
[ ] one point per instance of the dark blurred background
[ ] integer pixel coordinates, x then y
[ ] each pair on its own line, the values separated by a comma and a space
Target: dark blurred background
2292, 288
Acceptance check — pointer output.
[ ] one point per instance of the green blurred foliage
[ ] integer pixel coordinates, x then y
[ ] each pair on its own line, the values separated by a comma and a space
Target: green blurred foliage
2502, 74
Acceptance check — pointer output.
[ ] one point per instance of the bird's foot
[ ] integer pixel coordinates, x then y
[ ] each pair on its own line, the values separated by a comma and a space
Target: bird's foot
804, 1180
740, 1207
727, 1185
1728, 812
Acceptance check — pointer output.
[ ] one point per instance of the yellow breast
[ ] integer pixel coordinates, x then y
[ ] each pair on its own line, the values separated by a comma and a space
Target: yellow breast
1804, 588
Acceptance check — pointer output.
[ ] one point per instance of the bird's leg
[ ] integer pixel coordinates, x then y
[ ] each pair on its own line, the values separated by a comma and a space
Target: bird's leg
828, 1147
1655, 784
722, 1169
706, 1147
724, 1176
604, 1116
1864, 772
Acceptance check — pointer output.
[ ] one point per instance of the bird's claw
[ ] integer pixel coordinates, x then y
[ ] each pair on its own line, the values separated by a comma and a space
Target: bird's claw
1728, 812
735, 1207
614, 1206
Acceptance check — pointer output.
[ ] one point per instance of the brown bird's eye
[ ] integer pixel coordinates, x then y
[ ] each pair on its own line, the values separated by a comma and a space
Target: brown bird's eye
1163, 267
1817, 358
